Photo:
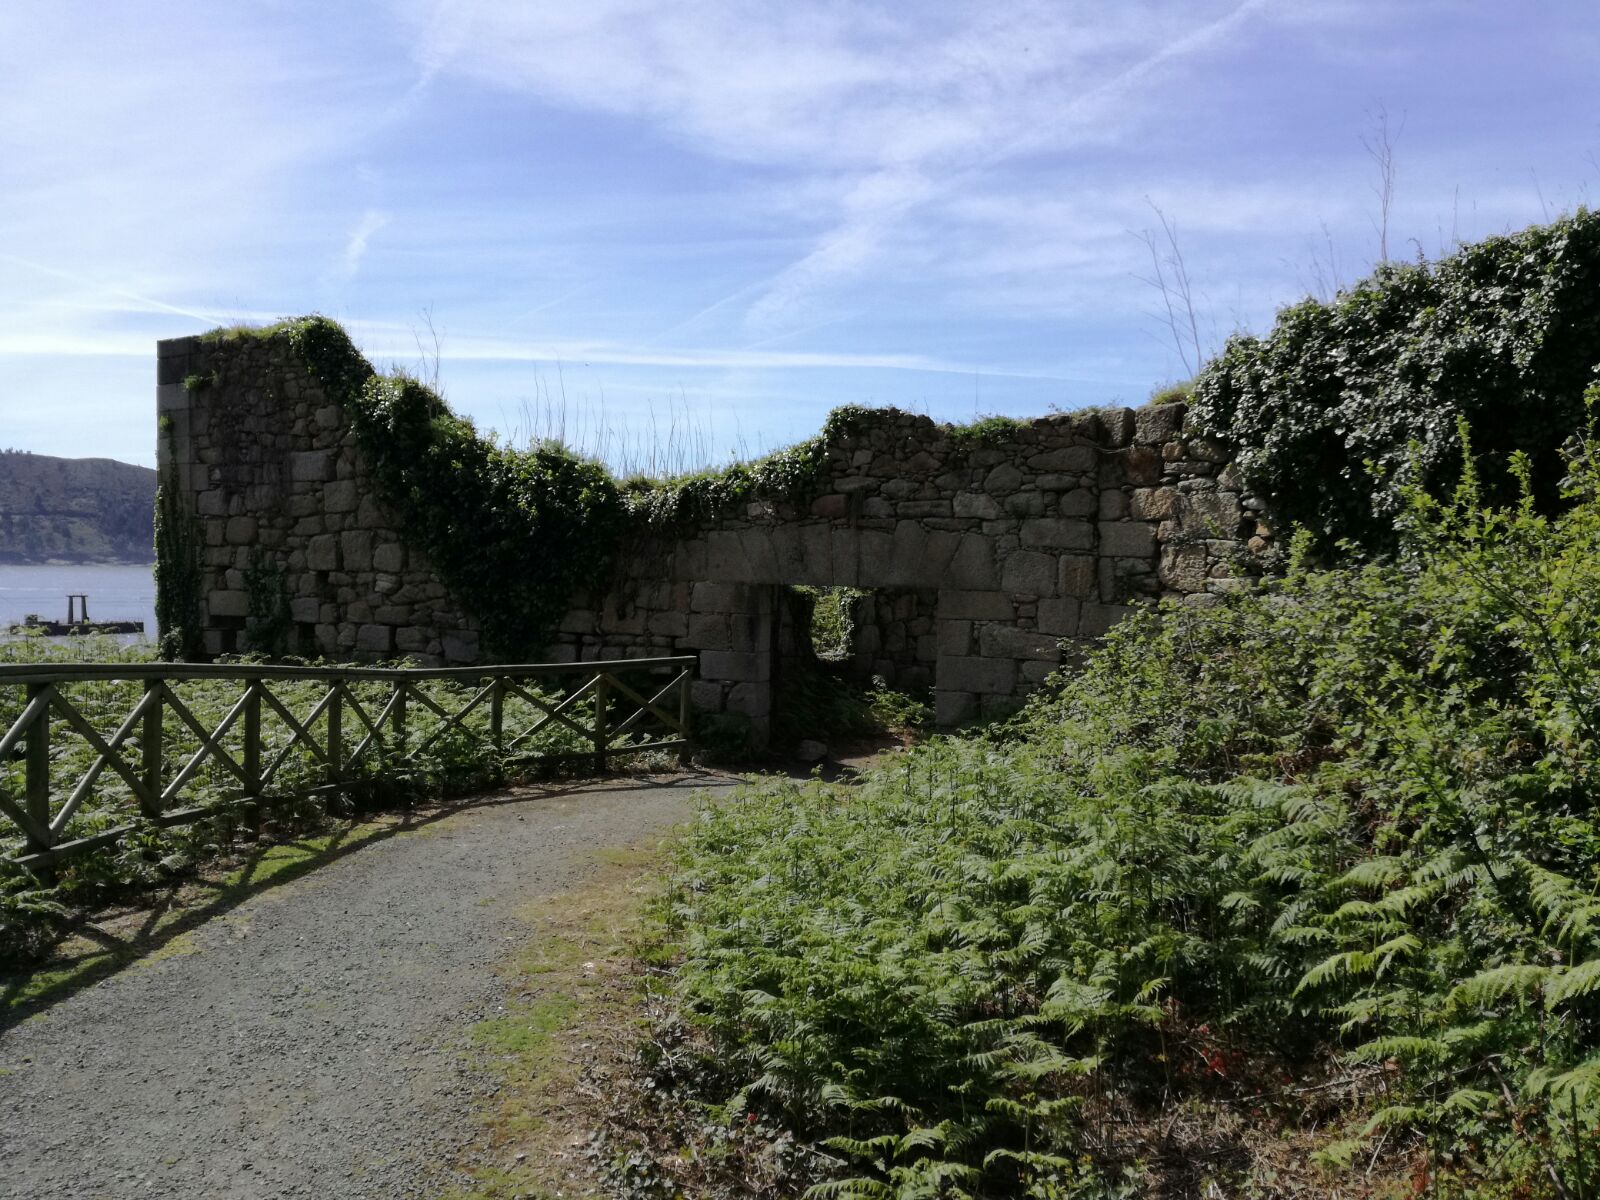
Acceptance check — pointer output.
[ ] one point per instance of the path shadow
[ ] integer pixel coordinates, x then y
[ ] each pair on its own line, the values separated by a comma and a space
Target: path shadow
89, 952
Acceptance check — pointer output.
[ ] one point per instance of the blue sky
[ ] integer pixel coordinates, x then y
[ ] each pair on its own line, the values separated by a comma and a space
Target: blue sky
729, 218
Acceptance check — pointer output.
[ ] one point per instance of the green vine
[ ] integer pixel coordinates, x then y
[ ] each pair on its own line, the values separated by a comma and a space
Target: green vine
513, 533
516, 533
268, 622
177, 571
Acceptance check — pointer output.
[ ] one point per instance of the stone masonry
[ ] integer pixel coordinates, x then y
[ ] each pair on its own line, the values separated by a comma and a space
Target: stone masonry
984, 559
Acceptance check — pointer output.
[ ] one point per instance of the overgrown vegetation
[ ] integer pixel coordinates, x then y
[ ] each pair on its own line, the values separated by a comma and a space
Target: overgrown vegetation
1294, 895
1347, 403
482, 510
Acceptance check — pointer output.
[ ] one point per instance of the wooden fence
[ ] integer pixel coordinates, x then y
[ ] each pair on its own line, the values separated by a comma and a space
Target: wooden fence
91, 745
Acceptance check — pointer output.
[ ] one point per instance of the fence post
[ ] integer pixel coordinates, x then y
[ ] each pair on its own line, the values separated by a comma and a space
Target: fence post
37, 764
497, 716
401, 687
252, 750
684, 752
150, 747
336, 731
601, 735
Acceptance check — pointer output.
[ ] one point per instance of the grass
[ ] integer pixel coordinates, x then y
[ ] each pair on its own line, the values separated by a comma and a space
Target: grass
520, 1040
1173, 393
558, 1052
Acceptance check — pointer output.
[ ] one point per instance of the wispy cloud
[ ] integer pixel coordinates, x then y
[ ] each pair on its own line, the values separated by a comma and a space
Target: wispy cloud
884, 115
355, 247
817, 202
386, 342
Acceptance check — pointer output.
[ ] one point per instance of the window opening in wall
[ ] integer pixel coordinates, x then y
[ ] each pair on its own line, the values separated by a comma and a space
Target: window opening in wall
833, 621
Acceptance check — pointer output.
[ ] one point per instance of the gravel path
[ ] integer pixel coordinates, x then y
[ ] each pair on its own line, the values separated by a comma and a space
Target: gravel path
307, 1043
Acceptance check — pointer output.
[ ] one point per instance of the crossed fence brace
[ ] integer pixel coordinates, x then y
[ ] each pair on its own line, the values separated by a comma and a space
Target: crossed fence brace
659, 716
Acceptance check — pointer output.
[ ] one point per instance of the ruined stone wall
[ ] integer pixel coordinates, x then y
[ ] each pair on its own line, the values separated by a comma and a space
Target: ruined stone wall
273, 474
1003, 549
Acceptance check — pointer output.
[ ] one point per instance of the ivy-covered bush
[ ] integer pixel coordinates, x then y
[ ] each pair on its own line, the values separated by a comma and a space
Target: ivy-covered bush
1345, 403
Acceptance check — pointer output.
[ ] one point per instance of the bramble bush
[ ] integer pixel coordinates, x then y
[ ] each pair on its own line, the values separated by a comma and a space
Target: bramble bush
1308, 875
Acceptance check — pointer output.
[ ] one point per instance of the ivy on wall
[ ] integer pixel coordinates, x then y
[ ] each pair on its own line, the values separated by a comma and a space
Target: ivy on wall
177, 570
1346, 403
515, 533
268, 621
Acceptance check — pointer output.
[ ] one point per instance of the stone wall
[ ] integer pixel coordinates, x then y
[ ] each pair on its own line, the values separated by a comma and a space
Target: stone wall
984, 558
275, 478
896, 637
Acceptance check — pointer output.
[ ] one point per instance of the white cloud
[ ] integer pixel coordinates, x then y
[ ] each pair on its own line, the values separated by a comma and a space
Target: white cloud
355, 248
882, 114
385, 342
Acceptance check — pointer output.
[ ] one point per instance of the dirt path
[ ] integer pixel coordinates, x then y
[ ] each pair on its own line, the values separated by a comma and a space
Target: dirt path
309, 1042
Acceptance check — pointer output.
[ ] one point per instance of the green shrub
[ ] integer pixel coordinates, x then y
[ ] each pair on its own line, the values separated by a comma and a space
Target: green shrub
1345, 404
1325, 855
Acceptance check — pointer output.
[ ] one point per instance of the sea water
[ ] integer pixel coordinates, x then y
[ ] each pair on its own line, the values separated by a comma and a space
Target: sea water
116, 593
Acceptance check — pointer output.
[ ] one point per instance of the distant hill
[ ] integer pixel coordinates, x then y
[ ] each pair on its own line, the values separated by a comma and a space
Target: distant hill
75, 510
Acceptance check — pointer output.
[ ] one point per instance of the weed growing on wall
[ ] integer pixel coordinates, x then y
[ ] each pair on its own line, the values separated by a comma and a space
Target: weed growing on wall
1347, 403
986, 431
1293, 895
792, 474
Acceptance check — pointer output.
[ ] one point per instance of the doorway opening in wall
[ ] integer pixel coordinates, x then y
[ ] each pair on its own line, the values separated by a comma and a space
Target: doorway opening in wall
854, 669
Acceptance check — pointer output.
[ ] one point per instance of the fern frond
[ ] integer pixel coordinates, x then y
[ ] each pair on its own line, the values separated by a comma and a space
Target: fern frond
1495, 984
1572, 983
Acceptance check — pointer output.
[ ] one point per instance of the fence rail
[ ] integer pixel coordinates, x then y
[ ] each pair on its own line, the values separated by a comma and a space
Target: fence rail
108, 741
